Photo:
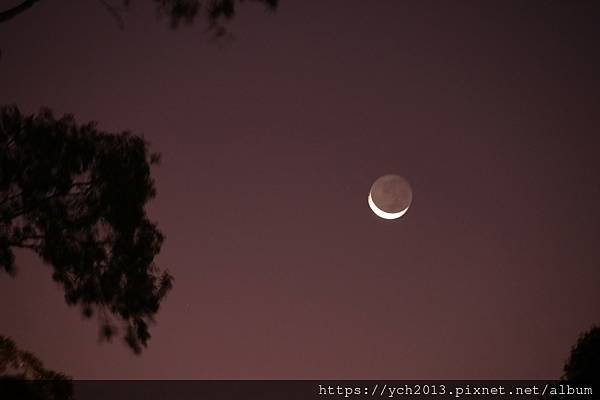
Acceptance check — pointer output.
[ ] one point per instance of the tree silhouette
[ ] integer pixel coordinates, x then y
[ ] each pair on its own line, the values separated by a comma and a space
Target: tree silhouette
76, 197
584, 362
23, 376
178, 11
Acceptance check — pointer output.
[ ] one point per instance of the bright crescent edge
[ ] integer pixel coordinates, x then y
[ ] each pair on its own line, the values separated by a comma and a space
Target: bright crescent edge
386, 215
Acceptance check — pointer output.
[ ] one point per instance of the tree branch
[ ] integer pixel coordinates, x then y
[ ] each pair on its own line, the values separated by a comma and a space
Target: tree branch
15, 11
88, 185
24, 245
114, 12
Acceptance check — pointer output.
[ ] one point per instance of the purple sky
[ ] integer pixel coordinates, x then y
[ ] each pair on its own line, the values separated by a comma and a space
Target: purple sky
270, 144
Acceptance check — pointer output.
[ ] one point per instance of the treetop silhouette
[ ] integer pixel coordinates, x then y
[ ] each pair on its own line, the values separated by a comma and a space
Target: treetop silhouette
76, 196
23, 364
584, 361
178, 11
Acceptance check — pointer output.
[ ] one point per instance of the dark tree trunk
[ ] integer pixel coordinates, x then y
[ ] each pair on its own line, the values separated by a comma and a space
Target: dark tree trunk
13, 12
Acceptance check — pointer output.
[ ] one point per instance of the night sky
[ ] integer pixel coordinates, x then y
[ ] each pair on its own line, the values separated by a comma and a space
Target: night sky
270, 143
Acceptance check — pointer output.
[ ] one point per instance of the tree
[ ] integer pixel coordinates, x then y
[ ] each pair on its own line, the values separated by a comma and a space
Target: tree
76, 197
23, 376
178, 11
584, 362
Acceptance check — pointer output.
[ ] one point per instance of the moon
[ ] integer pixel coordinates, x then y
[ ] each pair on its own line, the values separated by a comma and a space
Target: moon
390, 196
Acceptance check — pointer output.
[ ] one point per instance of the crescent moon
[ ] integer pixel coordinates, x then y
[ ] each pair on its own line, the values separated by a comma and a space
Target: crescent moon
383, 214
